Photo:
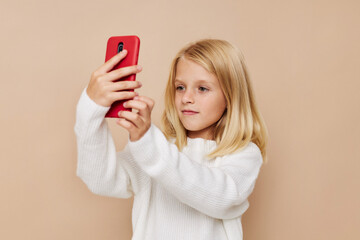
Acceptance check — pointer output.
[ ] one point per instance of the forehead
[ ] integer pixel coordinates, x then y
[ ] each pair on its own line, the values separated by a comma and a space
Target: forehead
188, 70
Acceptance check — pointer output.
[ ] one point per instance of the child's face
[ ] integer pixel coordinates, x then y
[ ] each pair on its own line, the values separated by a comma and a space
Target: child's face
199, 99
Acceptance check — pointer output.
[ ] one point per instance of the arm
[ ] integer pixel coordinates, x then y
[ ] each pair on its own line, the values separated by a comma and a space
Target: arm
220, 192
104, 171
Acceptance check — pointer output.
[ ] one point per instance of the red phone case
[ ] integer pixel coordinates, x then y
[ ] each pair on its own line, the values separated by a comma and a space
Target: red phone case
132, 45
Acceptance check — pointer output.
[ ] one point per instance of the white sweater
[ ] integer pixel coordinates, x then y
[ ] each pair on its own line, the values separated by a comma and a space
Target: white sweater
177, 194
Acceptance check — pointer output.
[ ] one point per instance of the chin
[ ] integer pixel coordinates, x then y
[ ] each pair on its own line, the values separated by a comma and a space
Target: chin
193, 129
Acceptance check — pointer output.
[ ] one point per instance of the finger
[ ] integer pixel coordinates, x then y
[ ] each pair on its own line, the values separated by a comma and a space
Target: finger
132, 117
110, 64
121, 72
144, 110
123, 95
125, 85
141, 106
125, 124
149, 101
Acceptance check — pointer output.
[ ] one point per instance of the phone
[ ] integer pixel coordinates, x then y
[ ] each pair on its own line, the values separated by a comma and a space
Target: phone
115, 45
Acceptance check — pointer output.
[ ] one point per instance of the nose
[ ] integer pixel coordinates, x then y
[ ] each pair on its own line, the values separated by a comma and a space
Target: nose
188, 97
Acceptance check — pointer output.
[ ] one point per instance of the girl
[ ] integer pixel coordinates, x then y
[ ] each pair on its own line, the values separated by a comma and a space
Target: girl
191, 180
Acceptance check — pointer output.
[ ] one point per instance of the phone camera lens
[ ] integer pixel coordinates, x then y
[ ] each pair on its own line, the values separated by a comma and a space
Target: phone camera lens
120, 47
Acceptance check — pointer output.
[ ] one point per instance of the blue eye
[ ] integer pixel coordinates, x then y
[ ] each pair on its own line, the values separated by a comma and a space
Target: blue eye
203, 89
180, 88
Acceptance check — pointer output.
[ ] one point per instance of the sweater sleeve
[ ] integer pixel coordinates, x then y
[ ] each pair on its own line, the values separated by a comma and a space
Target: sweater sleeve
102, 169
219, 192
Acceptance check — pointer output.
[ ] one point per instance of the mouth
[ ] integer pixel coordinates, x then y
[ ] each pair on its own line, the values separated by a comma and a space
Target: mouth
189, 112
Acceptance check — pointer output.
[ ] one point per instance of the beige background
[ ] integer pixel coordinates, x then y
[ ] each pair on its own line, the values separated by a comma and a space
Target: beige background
303, 60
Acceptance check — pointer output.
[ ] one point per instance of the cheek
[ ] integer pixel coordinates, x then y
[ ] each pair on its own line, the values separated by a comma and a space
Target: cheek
218, 111
177, 101
218, 105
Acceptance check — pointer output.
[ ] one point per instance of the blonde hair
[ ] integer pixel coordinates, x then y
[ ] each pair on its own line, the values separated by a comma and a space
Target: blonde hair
241, 121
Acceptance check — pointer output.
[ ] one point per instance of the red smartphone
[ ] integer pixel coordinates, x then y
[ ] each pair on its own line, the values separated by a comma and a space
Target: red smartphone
115, 45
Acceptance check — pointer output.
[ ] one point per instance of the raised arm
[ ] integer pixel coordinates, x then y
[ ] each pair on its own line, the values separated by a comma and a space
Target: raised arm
103, 170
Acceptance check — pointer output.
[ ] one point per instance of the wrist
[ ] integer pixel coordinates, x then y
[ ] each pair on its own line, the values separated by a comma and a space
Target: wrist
136, 136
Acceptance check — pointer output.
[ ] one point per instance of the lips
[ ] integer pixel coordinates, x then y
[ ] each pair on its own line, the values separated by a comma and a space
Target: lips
189, 112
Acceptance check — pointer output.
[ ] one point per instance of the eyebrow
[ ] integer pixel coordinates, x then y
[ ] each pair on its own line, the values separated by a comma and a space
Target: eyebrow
201, 81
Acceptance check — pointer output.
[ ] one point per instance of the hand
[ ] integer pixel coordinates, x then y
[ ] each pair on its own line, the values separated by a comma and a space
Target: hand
137, 123
103, 88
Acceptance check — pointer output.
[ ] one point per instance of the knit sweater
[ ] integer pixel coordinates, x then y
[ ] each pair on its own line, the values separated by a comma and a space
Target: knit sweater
177, 194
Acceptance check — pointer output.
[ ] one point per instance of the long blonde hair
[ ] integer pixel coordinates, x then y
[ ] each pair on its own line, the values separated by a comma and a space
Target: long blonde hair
241, 121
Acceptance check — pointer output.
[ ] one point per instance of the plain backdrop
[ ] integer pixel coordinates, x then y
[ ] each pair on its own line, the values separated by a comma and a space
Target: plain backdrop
302, 57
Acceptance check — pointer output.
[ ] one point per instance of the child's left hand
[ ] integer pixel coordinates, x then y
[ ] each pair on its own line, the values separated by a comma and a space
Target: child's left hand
137, 123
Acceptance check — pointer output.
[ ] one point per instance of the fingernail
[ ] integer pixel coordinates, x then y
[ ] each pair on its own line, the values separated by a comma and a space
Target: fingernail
122, 52
136, 98
139, 67
119, 113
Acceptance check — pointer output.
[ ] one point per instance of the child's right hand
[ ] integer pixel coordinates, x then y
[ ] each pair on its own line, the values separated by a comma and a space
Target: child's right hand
103, 89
